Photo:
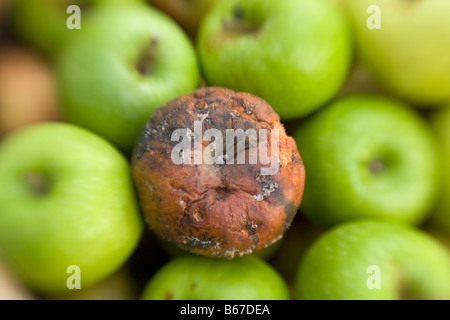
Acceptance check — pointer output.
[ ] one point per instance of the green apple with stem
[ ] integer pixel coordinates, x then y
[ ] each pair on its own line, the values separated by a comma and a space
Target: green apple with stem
374, 260
127, 61
189, 277
368, 157
293, 54
67, 200
409, 54
440, 122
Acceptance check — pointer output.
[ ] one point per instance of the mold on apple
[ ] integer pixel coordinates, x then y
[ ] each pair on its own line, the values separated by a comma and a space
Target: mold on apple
221, 208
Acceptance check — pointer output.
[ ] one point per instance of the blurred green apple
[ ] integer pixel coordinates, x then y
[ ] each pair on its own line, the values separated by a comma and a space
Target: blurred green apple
127, 61
374, 260
368, 157
293, 54
190, 277
410, 54
67, 199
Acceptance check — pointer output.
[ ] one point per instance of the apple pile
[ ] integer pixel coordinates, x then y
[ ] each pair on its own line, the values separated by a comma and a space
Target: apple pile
93, 207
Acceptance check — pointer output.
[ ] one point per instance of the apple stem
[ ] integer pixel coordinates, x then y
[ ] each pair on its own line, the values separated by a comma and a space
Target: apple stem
376, 166
38, 183
239, 25
146, 62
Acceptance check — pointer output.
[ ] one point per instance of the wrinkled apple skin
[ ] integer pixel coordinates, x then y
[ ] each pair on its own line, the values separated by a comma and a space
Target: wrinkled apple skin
217, 210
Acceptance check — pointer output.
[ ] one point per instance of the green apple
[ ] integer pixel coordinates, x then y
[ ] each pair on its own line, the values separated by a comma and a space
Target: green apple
440, 122
187, 14
409, 54
127, 61
27, 89
42, 24
67, 200
190, 277
294, 54
368, 157
374, 260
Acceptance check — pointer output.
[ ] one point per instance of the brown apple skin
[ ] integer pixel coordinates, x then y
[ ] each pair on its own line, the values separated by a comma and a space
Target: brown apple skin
214, 210
28, 92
